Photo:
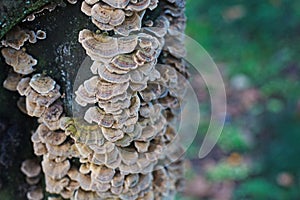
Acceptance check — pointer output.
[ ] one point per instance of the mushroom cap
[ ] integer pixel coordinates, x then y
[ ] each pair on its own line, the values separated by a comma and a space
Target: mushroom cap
33, 109
81, 180
91, 2
115, 108
139, 6
83, 195
131, 180
101, 14
56, 185
174, 44
31, 168
95, 114
112, 77
39, 148
142, 147
85, 168
55, 170
72, 1
160, 27
99, 46
41, 35
33, 181
86, 8
153, 4
23, 86
131, 23
102, 26
112, 135
51, 116
107, 90
105, 17
84, 150
15, 38
87, 134
73, 185
35, 193
12, 81
124, 62
61, 152
44, 100
128, 156
50, 137
21, 104
21, 62
42, 84
30, 17
117, 180
54, 198
117, 3
83, 97
102, 174
32, 37
117, 17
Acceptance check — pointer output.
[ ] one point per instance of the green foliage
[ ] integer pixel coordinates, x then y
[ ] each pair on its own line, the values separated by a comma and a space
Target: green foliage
258, 189
232, 139
282, 150
260, 43
225, 171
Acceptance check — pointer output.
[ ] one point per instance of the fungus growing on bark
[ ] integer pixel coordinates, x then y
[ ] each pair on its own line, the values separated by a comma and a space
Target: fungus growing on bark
15, 38
91, 2
105, 17
31, 168
55, 170
131, 23
72, 1
21, 62
99, 46
86, 8
41, 35
51, 116
35, 193
40, 93
121, 148
12, 81
32, 37
117, 3
42, 84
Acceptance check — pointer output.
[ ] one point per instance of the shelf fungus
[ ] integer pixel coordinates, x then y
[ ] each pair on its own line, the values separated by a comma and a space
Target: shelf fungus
40, 93
120, 16
21, 62
41, 35
31, 168
12, 81
35, 193
124, 146
15, 38
130, 98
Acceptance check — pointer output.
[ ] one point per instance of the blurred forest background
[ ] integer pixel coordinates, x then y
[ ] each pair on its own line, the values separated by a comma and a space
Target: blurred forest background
256, 47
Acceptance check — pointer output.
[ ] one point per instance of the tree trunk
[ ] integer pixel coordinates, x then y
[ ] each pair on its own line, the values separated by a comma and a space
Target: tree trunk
84, 168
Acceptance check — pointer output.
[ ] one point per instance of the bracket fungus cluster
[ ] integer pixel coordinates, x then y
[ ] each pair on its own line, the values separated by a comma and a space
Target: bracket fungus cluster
125, 146
32, 169
130, 102
121, 16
